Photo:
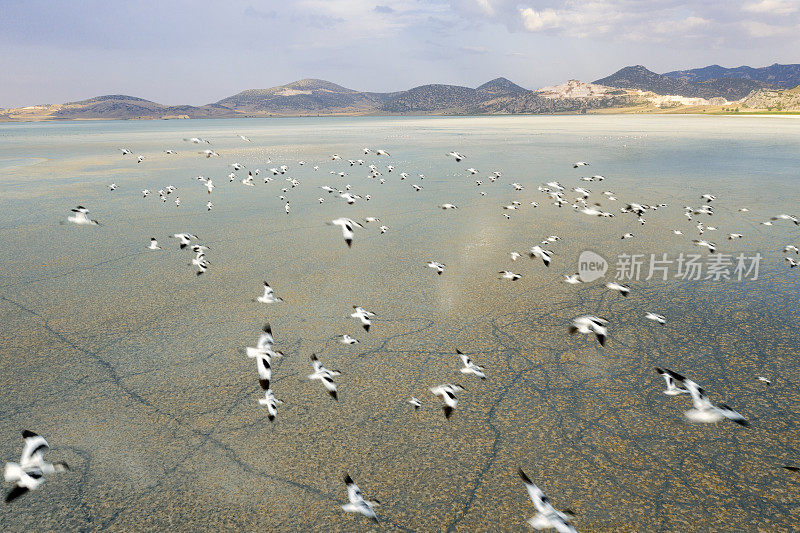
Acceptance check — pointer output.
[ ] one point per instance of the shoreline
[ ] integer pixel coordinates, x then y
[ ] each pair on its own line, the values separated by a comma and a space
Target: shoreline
630, 111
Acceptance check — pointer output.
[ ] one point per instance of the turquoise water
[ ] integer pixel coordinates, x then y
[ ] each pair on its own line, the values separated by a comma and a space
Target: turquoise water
134, 369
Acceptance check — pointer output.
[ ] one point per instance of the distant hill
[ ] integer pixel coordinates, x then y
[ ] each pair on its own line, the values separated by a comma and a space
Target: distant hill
639, 77
772, 100
113, 107
775, 75
432, 98
304, 97
500, 87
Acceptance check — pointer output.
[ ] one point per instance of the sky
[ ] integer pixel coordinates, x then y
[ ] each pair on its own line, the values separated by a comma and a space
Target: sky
197, 51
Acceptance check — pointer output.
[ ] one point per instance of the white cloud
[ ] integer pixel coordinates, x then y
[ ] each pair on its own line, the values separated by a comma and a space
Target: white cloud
762, 29
772, 7
719, 22
546, 19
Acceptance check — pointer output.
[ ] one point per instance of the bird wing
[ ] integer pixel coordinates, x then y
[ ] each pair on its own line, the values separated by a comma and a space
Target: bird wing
34, 445
699, 398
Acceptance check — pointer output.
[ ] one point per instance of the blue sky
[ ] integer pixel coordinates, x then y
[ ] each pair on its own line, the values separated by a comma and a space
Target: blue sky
201, 51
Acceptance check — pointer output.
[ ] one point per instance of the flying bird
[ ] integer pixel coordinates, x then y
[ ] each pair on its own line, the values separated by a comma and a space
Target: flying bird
324, 375
706, 412
470, 367
81, 217
363, 315
675, 382
448, 394
438, 266
30, 472
347, 226
271, 402
587, 324
357, 502
547, 516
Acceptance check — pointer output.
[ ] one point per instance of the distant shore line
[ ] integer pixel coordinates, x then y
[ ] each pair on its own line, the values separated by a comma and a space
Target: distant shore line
603, 112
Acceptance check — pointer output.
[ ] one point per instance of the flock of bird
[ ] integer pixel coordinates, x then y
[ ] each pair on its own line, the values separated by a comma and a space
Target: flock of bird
30, 471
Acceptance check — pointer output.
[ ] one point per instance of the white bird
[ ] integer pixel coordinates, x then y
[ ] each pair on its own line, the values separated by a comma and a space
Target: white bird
170, 152
357, 502
383, 229
547, 516
545, 255
237, 166
269, 296
196, 140
628, 236
470, 367
677, 232
574, 279
286, 208
125, 151
140, 159
732, 236
705, 244
448, 394
381, 152
448, 206
112, 187
708, 198
145, 193
184, 238
458, 157
416, 187
515, 256
81, 217
787, 217
31, 470
209, 205
264, 345
324, 375
272, 403
507, 274
791, 248
792, 262
706, 412
347, 225
438, 266
415, 402
242, 137
655, 317
178, 201
622, 289
201, 264
472, 171
363, 315
347, 339
263, 364
580, 164
336, 157
587, 324
153, 244
209, 153
675, 382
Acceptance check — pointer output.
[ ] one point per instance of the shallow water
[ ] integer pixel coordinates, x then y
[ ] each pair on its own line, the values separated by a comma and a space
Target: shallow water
134, 369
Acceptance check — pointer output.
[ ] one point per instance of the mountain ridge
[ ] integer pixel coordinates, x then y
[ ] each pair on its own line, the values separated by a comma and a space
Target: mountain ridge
630, 87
